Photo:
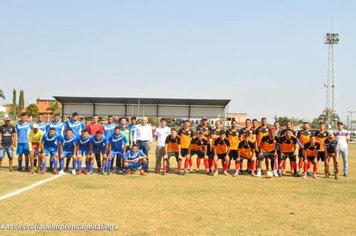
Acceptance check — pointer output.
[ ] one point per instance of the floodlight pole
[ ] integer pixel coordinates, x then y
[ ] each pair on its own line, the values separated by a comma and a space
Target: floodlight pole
351, 112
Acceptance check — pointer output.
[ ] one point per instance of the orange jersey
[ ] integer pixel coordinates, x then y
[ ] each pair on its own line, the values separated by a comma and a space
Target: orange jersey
215, 134
198, 145
172, 143
185, 137
304, 136
233, 137
311, 150
260, 133
247, 132
268, 144
288, 145
246, 149
320, 138
221, 146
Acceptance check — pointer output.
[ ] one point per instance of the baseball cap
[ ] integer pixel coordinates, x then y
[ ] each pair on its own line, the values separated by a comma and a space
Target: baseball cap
340, 123
7, 119
331, 135
35, 126
75, 114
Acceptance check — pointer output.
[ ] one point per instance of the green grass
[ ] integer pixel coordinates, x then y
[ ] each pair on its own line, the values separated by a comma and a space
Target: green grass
185, 205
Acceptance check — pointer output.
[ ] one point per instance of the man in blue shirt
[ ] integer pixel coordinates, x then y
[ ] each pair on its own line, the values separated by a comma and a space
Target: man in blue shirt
109, 128
132, 127
50, 145
99, 148
84, 150
23, 128
75, 124
67, 149
116, 148
41, 124
133, 159
57, 124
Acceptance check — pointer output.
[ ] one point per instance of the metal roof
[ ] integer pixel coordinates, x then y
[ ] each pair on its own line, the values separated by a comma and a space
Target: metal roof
161, 101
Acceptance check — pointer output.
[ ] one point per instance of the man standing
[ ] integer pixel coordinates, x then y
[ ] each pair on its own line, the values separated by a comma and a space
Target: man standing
342, 137
116, 149
233, 135
172, 149
41, 124
143, 138
7, 141
132, 127
330, 145
22, 129
161, 133
57, 124
75, 124
320, 136
186, 134
67, 149
303, 137
93, 127
109, 128
125, 130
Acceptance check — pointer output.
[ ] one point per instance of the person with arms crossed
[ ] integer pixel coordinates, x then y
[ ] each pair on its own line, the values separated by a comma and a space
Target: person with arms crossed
8, 140
93, 127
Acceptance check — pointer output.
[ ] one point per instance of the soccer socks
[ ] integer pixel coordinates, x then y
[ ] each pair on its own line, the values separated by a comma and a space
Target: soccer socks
186, 163
144, 166
74, 164
43, 165
109, 164
19, 163
198, 162
206, 164
26, 162
80, 165
67, 163
300, 164
55, 163
91, 166
87, 165
164, 166
237, 166
226, 165
61, 163
191, 162
98, 160
293, 167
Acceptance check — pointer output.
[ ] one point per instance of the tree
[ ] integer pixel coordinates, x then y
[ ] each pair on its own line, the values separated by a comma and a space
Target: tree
2, 95
14, 104
21, 101
32, 110
54, 108
282, 120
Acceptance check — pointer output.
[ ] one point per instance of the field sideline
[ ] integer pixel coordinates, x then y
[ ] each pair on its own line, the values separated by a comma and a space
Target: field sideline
184, 205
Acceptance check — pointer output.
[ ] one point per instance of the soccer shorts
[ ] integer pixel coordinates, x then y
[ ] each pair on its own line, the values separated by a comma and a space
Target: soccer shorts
83, 152
99, 150
321, 156
233, 155
267, 155
134, 165
117, 155
200, 153
68, 153
221, 156
311, 159
173, 154
23, 148
184, 152
291, 157
49, 152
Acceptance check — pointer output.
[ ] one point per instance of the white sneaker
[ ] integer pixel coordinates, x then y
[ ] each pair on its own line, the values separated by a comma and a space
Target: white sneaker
236, 174
275, 174
73, 172
61, 172
258, 174
216, 173
226, 173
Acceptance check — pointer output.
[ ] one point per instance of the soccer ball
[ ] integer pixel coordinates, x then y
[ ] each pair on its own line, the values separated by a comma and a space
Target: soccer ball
269, 174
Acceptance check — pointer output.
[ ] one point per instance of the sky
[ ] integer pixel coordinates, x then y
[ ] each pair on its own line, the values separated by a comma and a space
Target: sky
268, 57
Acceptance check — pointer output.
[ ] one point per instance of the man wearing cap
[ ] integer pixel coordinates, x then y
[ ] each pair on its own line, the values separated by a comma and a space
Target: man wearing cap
34, 139
7, 141
143, 137
342, 137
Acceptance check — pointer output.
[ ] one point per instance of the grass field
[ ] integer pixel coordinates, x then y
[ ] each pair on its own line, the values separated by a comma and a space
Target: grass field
184, 205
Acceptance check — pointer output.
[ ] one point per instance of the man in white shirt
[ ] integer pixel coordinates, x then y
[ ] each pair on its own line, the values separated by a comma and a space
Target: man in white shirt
160, 135
343, 138
143, 137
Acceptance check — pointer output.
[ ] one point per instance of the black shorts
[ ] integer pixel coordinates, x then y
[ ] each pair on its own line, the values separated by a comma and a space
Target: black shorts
267, 155
173, 154
222, 156
300, 153
311, 159
200, 153
321, 156
184, 152
291, 157
233, 155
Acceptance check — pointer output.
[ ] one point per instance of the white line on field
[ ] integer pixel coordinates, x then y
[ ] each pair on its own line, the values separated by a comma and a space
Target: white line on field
21, 190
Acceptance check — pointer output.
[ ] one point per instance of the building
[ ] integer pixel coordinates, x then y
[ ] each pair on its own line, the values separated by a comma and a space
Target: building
239, 117
43, 105
150, 107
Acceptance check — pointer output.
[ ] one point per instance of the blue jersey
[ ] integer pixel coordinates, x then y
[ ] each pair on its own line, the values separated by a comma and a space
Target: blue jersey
117, 143
76, 126
69, 143
98, 144
51, 142
59, 126
109, 130
22, 130
42, 126
132, 156
84, 144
